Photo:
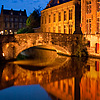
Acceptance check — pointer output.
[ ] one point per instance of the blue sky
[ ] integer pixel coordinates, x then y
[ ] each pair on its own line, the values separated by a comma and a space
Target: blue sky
29, 5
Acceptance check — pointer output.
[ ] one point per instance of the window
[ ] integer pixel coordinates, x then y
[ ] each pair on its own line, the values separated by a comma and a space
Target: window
20, 25
49, 29
70, 29
59, 29
24, 20
54, 18
97, 48
6, 19
42, 20
16, 19
98, 25
64, 87
97, 65
65, 30
88, 26
65, 15
24, 24
70, 14
11, 25
45, 19
59, 16
98, 5
49, 18
15, 25
88, 5
20, 19
69, 90
58, 84
20, 14
11, 19
54, 29
11, 13
88, 42
6, 24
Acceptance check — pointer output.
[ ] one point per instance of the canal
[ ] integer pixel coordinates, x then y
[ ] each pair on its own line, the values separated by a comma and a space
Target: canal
53, 77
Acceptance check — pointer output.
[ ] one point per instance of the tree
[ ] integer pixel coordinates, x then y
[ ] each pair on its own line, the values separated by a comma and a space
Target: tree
33, 21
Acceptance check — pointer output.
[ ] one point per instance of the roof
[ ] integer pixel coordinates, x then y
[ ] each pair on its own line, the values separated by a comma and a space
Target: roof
56, 2
14, 12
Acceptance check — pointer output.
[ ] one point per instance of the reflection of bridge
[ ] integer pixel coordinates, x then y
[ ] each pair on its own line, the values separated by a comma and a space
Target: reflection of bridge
59, 81
12, 45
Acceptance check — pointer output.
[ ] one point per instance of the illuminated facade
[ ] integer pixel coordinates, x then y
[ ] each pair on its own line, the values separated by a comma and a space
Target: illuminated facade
61, 16
90, 13
11, 21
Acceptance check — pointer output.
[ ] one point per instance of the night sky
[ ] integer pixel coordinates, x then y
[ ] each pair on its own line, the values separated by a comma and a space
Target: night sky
29, 5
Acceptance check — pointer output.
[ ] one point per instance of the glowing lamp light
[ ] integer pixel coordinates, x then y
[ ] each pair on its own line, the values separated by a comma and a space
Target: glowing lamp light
3, 54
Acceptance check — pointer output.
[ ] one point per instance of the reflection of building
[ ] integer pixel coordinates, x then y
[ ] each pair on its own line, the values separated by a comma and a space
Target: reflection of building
90, 13
61, 16
90, 82
61, 90
11, 21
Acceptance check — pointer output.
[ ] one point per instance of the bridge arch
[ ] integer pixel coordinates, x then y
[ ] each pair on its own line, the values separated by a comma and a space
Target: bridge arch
14, 44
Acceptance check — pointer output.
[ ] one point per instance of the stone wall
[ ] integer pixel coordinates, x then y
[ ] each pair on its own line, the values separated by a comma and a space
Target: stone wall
12, 45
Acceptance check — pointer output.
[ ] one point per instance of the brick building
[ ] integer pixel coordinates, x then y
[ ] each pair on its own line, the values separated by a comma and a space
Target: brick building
90, 13
61, 16
11, 21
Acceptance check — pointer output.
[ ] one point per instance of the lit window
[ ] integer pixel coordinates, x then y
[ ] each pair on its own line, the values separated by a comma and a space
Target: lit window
65, 30
88, 5
49, 29
97, 48
98, 25
59, 29
20, 14
65, 15
54, 18
70, 29
49, 18
59, 16
98, 5
54, 29
70, 14
11, 13
45, 19
88, 26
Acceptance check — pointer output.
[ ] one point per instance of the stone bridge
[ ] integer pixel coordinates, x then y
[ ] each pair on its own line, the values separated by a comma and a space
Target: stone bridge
12, 45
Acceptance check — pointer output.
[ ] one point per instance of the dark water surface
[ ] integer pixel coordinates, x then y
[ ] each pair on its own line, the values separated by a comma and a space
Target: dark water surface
64, 78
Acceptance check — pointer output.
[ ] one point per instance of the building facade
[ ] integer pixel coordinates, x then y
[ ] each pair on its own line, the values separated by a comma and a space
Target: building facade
61, 16
90, 16
11, 21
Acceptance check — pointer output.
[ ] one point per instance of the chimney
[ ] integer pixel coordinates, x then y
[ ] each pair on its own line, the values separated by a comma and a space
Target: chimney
24, 10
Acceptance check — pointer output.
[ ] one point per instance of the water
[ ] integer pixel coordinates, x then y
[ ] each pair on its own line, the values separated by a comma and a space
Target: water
64, 79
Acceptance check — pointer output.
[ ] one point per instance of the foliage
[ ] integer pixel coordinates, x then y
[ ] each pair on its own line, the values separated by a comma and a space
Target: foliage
33, 21
25, 30
80, 47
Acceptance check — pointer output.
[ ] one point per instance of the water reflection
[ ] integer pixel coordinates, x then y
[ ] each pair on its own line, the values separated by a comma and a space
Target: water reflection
74, 79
